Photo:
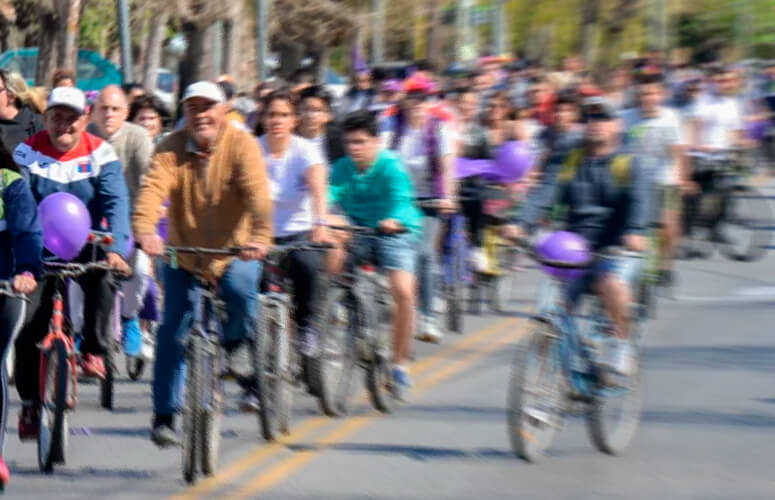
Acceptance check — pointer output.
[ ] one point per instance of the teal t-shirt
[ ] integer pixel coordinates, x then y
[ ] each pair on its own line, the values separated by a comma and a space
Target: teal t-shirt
384, 191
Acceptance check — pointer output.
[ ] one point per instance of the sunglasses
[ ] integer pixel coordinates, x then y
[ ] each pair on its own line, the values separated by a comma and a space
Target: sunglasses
598, 117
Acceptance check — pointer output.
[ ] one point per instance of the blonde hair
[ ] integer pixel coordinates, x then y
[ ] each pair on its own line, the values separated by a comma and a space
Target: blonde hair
16, 87
38, 98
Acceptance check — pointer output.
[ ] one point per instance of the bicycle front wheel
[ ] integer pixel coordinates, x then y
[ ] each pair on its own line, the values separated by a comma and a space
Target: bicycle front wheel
379, 379
212, 407
272, 365
746, 229
535, 412
192, 433
53, 430
613, 417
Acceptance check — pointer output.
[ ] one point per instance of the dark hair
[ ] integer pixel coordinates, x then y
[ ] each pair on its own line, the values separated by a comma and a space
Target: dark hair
227, 88
567, 96
424, 65
302, 75
62, 74
281, 94
316, 92
148, 102
649, 78
362, 120
129, 87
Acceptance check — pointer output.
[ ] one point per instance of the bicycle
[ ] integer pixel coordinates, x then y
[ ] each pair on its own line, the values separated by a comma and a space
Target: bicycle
283, 368
735, 216
557, 372
58, 368
6, 289
360, 296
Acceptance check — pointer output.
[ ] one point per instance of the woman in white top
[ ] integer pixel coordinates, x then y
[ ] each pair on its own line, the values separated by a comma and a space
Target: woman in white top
297, 174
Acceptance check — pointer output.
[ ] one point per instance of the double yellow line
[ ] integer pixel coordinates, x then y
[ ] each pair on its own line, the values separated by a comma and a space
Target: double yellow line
476, 343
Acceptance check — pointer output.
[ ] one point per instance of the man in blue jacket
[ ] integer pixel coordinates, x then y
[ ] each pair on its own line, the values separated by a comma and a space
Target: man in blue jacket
64, 158
605, 193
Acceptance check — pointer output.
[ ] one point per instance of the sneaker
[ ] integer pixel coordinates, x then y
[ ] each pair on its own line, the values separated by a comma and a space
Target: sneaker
148, 348
92, 366
308, 342
618, 357
479, 260
402, 382
428, 330
539, 414
133, 337
5, 474
248, 402
163, 433
29, 422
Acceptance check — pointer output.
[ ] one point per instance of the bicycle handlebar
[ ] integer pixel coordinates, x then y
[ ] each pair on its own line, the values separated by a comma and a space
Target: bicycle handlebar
278, 250
74, 269
527, 245
6, 289
368, 231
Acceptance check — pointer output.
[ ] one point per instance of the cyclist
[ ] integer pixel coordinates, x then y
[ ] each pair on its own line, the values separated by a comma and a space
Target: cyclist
63, 157
316, 123
425, 144
213, 174
134, 148
717, 120
372, 188
299, 194
606, 197
566, 132
18, 118
653, 133
21, 246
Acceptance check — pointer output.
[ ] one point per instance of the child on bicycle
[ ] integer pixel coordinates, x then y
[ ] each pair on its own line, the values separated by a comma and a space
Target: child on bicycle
21, 246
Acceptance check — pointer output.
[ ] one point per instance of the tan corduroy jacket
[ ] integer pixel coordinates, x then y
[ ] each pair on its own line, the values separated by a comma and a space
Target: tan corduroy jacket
223, 200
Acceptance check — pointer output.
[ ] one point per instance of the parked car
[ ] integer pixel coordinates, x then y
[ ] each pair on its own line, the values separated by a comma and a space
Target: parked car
93, 72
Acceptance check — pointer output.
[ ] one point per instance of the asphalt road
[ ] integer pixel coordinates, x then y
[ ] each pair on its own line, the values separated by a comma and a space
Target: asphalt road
707, 432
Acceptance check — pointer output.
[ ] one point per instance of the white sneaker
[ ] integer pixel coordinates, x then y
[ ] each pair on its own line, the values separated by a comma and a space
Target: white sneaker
618, 356
428, 331
148, 347
479, 259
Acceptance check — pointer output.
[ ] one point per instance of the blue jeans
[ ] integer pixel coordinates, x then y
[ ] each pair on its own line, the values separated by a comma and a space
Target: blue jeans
427, 265
238, 288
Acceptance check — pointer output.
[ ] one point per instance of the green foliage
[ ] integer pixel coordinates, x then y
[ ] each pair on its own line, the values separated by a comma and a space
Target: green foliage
98, 30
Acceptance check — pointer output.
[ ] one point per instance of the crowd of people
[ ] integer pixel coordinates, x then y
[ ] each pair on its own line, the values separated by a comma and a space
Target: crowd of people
284, 163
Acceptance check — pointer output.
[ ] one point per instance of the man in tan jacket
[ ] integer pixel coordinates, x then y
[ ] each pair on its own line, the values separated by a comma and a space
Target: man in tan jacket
214, 176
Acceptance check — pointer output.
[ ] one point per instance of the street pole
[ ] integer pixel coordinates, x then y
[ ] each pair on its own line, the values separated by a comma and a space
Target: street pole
262, 7
499, 28
378, 32
126, 44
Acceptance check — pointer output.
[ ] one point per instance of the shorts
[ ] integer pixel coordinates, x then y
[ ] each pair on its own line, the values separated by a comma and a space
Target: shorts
626, 268
665, 198
393, 252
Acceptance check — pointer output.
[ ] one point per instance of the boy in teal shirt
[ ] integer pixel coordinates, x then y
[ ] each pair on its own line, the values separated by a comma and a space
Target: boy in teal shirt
372, 188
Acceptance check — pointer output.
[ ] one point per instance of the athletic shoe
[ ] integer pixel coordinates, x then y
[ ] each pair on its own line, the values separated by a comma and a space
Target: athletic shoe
92, 366
29, 422
5, 474
428, 330
133, 337
308, 342
148, 348
618, 358
479, 260
402, 382
248, 402
163, 433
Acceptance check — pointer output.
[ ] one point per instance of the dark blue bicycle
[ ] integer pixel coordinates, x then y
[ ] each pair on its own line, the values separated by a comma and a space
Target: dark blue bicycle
556, 373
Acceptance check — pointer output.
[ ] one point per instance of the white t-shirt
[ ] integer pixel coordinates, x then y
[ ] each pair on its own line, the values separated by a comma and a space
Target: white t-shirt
413, 150
719, 116
652, 140
290, 193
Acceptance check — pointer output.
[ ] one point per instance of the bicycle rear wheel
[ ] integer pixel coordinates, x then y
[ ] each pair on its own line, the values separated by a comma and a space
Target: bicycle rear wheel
192, 433
272, 364
746, 230
212, 407
107, 383
535, 412
613, 417
331, 371
55, 380
379, 379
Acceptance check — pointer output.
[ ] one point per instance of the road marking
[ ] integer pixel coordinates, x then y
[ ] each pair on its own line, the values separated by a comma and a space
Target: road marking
255, 458
287, 467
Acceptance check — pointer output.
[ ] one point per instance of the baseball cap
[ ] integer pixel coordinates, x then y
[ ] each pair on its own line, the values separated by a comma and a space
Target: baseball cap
599, 107
205, 90
69, 97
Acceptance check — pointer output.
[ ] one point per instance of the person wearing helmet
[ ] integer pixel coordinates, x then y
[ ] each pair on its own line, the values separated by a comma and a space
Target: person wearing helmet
426, 146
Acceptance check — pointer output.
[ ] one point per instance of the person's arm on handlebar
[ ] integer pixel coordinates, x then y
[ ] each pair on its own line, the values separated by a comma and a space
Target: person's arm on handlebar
253, 182
24, 228
637, 217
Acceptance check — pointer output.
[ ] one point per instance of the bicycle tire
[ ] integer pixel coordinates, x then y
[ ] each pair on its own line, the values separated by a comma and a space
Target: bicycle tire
10, 365
53, 430
190, 449
135, 366
378, 376
454, 313
272, 364
614, 438
453, 286
331, 385
475, 295
107, 383
494, 294
748, 210
529, 437
212, 411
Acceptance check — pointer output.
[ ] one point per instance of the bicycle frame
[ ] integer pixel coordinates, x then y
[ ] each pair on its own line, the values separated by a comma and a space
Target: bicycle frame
57, 332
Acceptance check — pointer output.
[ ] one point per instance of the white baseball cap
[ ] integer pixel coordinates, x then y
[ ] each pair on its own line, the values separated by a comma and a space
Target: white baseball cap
205, 90
69, 97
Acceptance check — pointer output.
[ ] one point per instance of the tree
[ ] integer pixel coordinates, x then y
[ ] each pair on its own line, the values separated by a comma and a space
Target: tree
160, 15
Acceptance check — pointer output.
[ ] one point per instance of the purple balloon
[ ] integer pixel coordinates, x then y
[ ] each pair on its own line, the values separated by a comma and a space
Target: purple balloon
469, 167
566, 247
66, 224
757, 130
513, 160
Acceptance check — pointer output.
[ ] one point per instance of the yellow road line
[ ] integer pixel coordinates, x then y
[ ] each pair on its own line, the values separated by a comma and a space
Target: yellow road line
285, 468
254, 458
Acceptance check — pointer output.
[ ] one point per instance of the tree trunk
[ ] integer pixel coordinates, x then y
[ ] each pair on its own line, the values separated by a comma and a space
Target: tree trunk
291, 56
322, 62
197, 62
159, 20
70, 12
232, 36
434, 39
46, 56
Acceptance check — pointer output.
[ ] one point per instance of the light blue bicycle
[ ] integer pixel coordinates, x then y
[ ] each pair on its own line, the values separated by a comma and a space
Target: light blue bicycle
557, 373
